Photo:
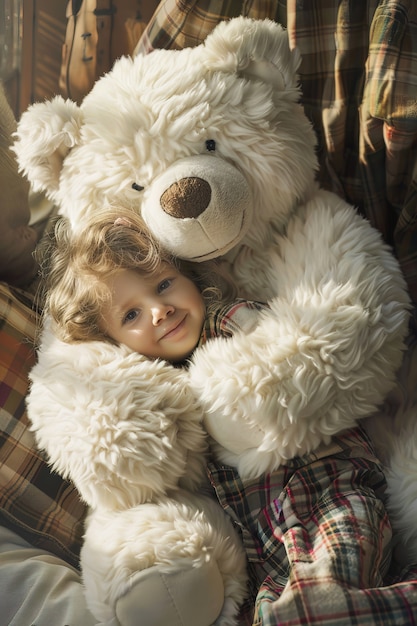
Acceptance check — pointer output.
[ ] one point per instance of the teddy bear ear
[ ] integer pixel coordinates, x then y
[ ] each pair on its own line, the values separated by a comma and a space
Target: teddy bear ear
45, 134
256, 49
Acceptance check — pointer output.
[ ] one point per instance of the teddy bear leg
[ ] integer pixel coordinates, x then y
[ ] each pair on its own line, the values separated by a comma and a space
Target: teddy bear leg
191, 597
179, 558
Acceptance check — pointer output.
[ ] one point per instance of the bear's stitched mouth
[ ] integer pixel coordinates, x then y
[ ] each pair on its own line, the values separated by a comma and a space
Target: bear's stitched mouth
216, 251
198, 208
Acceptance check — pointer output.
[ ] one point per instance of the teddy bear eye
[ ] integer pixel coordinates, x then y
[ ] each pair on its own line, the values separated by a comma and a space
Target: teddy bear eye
137, 187
210, 145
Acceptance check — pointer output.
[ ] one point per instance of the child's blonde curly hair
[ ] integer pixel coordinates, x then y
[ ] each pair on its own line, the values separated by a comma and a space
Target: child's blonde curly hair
77, 265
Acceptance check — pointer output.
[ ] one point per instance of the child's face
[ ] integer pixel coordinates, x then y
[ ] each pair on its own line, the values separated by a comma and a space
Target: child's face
158, 316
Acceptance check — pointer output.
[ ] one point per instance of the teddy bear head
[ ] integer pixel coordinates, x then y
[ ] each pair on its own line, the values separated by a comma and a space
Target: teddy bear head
208, 144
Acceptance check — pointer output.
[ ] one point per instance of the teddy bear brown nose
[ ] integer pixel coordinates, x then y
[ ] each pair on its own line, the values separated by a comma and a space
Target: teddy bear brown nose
188, 197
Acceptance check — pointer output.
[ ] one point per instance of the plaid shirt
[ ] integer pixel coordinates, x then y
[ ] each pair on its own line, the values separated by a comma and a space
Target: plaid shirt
226, 320
359, 87
316, 531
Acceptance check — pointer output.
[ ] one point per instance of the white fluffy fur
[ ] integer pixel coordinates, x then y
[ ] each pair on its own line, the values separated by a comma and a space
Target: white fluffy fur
393, 429
138, 460
93, 411
326, 353
176, 534
324, 357
401, 476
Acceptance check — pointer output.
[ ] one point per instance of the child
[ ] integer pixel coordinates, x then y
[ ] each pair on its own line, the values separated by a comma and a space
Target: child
113, 282
315, 530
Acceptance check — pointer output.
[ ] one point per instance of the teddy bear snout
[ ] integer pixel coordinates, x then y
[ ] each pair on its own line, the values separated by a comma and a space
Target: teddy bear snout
202, 200
188, 197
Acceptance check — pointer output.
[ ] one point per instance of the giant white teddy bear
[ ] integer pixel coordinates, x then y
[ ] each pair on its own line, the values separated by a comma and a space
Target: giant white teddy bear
210, 145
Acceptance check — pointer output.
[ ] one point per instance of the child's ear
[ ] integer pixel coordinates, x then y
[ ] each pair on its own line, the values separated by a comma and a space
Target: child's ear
45, 134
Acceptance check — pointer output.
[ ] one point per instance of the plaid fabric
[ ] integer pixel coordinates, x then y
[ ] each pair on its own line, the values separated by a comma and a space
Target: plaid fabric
34, 501
181, 24
316, 531
317, 538
359, 84
226, 320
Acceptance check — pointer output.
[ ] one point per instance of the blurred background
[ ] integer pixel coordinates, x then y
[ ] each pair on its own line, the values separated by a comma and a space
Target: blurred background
31, 37
33, 34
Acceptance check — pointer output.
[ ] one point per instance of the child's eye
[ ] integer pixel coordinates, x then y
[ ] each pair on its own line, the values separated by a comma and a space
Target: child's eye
164, 284
130, 316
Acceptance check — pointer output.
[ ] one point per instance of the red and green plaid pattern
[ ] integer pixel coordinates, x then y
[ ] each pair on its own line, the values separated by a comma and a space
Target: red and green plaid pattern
316, 531
34, 501
318, 540
230, 318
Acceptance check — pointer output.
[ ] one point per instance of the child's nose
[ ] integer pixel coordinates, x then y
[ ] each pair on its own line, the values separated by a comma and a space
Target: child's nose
160, 312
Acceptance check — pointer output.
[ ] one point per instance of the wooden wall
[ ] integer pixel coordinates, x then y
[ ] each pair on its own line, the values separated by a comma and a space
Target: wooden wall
43, 25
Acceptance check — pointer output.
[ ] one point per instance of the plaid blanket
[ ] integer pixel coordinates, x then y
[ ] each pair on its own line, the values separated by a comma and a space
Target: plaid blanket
359, 88
34, 501
318, 540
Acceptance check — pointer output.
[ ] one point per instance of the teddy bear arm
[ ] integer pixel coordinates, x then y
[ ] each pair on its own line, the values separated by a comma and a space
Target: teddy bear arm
116, 440
282, 390
245, 403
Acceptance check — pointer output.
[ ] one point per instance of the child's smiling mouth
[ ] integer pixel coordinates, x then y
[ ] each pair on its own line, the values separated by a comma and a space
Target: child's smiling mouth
175, 329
